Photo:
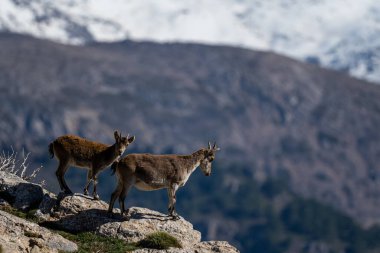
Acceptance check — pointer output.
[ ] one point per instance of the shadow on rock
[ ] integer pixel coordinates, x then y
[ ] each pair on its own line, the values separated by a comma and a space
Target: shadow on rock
83, 221
21, 194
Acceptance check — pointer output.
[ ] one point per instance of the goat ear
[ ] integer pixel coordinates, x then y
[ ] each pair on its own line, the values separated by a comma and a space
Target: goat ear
116, 135
131, 139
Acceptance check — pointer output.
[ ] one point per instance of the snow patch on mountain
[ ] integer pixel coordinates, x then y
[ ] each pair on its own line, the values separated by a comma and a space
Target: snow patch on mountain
339, 34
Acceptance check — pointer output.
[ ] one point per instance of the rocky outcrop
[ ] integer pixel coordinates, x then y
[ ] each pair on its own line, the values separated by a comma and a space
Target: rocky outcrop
20, 193
75, 213
19, 235
143, 221
79, 213
214, 246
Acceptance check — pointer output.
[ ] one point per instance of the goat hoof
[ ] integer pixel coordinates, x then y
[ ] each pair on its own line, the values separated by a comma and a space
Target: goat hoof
125, 216
96, 197
175, 217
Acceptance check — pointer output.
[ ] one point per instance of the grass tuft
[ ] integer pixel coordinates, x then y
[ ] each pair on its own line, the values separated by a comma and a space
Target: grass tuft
91, 242
30, 215
159, 240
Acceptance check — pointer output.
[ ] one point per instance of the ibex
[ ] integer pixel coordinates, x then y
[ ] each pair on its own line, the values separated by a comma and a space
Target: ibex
71, 150
149, 172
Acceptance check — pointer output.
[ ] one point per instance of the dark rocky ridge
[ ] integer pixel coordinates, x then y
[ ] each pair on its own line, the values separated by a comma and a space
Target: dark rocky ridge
279, 117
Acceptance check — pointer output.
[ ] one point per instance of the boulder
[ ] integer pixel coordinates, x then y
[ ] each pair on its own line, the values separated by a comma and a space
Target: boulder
21, 194
19, 235
77, 213
143, 221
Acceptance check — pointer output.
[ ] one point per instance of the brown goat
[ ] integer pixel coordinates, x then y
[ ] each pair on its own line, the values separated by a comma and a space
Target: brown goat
76, 151
149, 172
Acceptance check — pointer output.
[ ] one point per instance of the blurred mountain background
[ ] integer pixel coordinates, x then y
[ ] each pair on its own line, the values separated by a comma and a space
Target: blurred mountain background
298, 170
337, 34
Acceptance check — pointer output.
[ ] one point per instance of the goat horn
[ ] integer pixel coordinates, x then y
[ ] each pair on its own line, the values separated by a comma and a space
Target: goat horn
127, 136
209, 145
214, 145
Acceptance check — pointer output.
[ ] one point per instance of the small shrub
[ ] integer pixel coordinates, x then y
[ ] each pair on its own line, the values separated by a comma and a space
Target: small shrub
159, 240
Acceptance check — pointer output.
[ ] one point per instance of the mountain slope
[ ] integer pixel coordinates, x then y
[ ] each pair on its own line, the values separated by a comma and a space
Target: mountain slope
337, 34
314, 128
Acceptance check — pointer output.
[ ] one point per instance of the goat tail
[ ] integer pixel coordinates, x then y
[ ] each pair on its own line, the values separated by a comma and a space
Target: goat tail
51, 149
114, 167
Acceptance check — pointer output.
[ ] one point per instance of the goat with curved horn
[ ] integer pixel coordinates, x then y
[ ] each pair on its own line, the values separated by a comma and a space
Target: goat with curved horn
149, 172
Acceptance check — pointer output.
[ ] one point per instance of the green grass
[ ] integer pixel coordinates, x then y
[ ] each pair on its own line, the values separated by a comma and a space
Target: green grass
91, 242
30, 215
159, 240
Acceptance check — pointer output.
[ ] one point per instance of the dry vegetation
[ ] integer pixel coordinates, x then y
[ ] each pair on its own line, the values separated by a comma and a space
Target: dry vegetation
15, 163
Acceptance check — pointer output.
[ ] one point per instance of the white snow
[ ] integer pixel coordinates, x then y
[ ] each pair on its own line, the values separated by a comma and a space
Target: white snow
341, 34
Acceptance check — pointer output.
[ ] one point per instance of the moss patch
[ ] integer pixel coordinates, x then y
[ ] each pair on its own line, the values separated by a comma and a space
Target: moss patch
30, 215
90, 242
159, 240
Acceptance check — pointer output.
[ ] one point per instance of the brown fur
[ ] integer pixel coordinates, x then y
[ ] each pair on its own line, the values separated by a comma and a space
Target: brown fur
149, 172
79, 152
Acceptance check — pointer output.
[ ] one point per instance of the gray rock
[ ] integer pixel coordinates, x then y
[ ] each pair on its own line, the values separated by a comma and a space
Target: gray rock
49, 201
21, 194
78, 213
3, 202
214, 246
143, 221
202, 247
19, 235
